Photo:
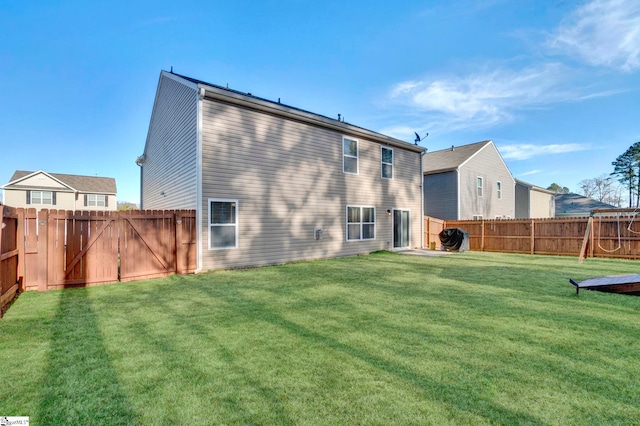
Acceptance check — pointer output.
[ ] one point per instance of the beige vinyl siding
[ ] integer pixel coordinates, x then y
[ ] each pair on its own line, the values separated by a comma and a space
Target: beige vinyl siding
440, 198
169, 169
487, 164
42, 181
542, 204
64, 200
288, 179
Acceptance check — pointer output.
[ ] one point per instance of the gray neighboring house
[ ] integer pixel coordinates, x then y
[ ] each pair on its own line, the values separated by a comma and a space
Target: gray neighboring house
534, 202
468, 182
42, 190
271, 183
575, 205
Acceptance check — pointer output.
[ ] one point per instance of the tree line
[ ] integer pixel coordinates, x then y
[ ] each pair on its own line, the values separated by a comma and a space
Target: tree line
623, 184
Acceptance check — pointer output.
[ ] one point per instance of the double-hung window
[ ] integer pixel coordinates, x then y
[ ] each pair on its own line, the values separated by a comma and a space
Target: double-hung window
41, 197
480, 186
499, 189
387, 162
223, 224
95, 200
349, 156
361, 223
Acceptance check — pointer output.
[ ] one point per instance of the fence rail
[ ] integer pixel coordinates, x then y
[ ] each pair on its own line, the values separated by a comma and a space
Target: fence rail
52, 249
607, 237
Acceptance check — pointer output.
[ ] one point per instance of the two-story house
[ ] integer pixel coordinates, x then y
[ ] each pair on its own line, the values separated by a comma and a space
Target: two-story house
271, 183
42, 190
468, 182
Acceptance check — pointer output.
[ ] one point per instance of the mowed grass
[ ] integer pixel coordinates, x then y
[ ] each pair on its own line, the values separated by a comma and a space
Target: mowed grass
469, 338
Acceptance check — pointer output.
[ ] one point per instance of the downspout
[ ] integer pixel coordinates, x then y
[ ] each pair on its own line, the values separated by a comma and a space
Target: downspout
140, 162
199, 228
422, 194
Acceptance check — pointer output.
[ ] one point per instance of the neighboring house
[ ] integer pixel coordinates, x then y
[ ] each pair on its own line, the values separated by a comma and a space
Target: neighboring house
575, 205
271, 183
468, 182
533, 201
60, 191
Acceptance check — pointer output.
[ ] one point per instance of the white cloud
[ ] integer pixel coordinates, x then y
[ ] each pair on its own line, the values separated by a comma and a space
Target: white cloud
526, 151
487, 97
531, 172
602, 33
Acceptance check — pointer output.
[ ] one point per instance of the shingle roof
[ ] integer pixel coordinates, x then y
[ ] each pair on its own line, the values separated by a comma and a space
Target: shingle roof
450, 158
575, 204
405, 144
93, 184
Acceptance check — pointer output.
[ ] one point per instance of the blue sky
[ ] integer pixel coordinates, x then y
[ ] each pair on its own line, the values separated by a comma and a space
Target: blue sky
555, 84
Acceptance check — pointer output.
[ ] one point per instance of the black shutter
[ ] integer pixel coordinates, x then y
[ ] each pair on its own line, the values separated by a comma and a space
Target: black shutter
85, 200
106, 201
28, 197
53, 198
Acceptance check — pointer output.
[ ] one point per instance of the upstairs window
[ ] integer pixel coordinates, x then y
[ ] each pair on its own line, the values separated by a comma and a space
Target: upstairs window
387, 162
41, 197
361, 223
480, 186
350, 156
223, 224
499, 188
95, 200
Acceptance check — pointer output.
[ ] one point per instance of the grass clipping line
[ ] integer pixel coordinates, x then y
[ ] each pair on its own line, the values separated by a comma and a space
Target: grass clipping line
471, 338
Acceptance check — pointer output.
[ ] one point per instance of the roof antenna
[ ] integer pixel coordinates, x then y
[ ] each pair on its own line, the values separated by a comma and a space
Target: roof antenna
339, 117
418, 138
171, 69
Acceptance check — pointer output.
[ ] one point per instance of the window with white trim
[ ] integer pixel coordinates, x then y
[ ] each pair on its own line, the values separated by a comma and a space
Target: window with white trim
499, 188
349, 155
95, 200
41, 197
480, 186
386, 162
477, 217
361, 223
223, 224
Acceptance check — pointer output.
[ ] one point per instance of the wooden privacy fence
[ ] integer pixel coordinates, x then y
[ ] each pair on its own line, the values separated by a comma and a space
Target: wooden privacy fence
9, 255
53, 249
612, 236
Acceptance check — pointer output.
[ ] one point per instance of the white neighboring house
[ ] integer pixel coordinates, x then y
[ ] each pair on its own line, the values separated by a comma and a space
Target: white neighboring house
42, 190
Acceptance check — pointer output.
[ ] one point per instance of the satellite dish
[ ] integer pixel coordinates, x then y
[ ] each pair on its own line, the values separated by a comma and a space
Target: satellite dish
418, 138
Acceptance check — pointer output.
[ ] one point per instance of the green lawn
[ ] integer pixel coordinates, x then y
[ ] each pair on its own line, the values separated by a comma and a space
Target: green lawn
470, 338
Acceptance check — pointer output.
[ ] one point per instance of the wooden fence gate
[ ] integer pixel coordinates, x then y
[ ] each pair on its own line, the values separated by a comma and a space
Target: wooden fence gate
58, 249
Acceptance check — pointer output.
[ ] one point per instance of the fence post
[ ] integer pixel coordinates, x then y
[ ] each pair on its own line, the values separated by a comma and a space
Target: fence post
533, 236
482, 235
21, 248
177, 223
42, 226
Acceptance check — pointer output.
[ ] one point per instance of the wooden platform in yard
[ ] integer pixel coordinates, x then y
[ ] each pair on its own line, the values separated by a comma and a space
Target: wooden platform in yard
623, 284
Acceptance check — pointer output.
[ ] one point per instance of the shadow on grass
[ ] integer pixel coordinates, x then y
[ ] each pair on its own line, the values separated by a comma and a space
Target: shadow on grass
80, 384
464, 400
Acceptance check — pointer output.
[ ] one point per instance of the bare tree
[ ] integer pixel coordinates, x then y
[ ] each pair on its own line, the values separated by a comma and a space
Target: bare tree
603, 188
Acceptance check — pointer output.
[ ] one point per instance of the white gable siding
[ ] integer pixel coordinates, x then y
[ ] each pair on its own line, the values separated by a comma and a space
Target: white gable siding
169, 169
288, 179
487, 164
40, 180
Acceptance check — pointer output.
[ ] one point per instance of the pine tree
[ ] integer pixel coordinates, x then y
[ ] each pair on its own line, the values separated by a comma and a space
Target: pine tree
627, 170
